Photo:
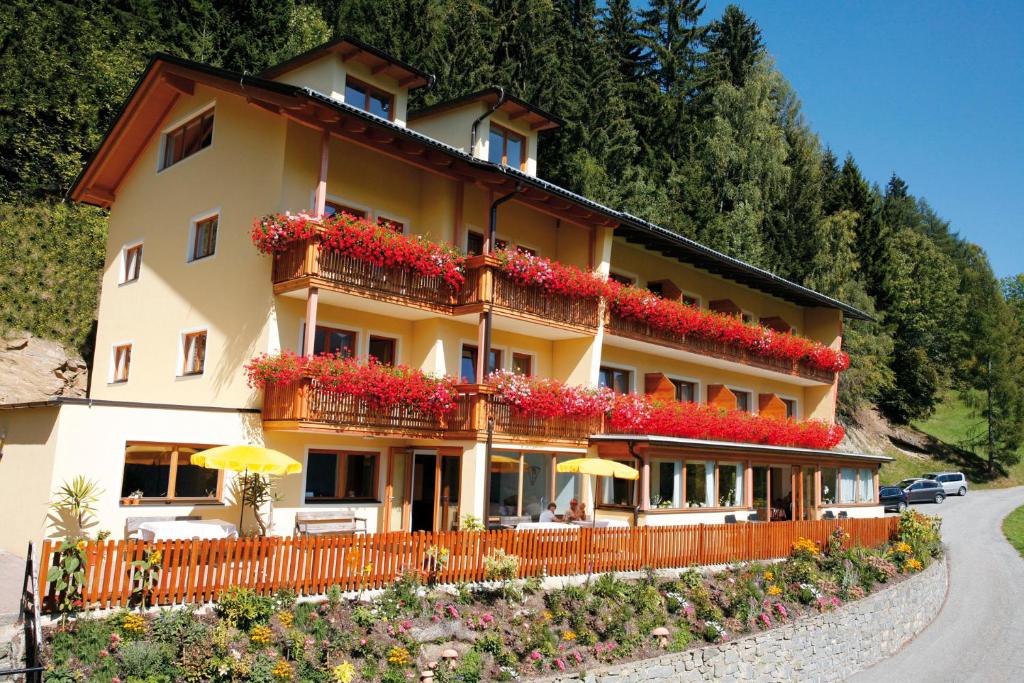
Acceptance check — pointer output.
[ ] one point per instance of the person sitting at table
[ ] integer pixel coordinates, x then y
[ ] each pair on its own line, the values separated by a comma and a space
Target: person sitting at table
549, 514
581, 512
574, 510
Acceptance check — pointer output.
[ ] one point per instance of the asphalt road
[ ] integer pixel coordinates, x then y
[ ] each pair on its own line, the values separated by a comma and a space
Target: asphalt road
979, 633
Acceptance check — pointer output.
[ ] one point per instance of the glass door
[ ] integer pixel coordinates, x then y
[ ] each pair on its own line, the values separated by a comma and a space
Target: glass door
763, 492
397, 490
449, 481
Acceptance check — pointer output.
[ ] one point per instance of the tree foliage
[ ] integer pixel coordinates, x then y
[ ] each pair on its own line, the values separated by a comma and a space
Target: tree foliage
672, 115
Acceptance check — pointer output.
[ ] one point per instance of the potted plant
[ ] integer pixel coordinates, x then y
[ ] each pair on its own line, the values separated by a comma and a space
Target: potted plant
135, 498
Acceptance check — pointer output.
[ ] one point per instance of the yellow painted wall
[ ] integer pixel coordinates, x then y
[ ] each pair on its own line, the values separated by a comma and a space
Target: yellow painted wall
26, 473
239, 175
454, 127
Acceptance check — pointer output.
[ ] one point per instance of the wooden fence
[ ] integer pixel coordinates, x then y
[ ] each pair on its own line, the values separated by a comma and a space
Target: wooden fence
196, 571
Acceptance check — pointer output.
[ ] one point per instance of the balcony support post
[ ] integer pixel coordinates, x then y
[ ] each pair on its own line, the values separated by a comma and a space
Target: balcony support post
309, 340
320, 197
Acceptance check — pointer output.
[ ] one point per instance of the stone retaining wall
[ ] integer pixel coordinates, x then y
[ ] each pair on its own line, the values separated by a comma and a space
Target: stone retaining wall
825, 647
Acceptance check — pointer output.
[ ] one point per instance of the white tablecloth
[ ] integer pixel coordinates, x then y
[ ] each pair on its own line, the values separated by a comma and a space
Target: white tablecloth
533, 526
603, 523
187, 528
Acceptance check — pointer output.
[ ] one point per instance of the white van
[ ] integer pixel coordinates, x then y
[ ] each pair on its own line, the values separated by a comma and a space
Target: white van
953, 483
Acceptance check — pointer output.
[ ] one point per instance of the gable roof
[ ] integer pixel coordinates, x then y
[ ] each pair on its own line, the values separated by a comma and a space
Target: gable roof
534, 117
167, 77
349, 48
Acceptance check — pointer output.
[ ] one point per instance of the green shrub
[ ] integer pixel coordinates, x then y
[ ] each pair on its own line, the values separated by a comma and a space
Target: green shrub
681, 638
922, 533
243, 608
148, 661
500, 566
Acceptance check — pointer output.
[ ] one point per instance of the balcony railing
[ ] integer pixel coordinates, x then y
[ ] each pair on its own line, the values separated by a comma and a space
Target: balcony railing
305, 259
306, 402
641, 331
478, 403
485, 282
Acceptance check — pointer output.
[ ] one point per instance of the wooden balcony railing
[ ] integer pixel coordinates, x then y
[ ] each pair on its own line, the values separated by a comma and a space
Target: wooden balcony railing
305, 259
478, 403
641, 331
485, 282
305, 402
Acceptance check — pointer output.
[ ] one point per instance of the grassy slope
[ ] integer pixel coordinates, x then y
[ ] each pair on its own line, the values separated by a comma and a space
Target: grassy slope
1013, 527
955, 427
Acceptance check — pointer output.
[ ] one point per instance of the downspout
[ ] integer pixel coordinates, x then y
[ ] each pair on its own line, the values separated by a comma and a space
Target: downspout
492, 232
502, 97
636, 509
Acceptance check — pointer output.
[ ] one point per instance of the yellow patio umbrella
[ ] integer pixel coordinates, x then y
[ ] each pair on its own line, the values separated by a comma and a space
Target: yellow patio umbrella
503, 463
598, 468
246, 459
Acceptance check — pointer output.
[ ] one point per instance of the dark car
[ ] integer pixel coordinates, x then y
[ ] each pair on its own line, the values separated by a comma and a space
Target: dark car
892, 498
925, 491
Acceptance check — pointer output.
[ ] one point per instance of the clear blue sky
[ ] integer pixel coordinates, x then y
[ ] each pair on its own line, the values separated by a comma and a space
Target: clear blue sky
933, 91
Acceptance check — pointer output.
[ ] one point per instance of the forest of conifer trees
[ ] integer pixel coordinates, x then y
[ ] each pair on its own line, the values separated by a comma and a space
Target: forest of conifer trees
673, 115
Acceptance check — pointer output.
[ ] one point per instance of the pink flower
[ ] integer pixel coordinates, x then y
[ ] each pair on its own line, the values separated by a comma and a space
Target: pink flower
104, 654
534, 655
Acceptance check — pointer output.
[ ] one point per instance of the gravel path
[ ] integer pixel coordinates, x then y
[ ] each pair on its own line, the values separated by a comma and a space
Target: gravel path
979, 634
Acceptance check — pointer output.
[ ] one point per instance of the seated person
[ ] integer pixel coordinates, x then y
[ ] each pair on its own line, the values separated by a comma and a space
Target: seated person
581, 512
574, 510
549, 514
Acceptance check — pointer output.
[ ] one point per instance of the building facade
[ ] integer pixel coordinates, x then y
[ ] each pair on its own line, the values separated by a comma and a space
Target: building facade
199, 153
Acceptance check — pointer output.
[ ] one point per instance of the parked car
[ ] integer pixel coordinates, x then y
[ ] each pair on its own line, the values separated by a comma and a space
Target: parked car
892, 498
924, 491
905, 483
953, 483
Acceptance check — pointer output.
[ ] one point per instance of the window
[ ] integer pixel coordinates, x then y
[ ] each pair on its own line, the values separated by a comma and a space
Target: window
667, 483
700, 484
334, 208
383, 349
522, 363
685, 391
730, 484
165, 472
691, 301
615, 379
618, 492
855, 485
468, 363
393, 225
474, 243
744, 402
121, 362
506, 148
204, 238
790, 407
368, 98
748, 318
334, 340
866, 486
341, 475
656, 288
187, 139
193, 347
131, 263
620, 278
829, 485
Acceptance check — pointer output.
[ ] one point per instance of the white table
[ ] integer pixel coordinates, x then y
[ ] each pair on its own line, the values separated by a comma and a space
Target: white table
191, 528
602, 523
533, 526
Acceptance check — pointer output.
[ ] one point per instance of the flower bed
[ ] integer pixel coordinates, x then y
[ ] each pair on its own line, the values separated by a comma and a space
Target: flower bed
382, 387
633, 414
503, 630
548, 398
677, 318
363, 240
554, 278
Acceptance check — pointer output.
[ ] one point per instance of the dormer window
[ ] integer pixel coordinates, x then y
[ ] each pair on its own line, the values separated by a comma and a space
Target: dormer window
368, 98
187, 139
506, 148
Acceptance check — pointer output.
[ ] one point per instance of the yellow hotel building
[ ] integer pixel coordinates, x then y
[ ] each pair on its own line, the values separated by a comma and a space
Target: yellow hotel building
198, 153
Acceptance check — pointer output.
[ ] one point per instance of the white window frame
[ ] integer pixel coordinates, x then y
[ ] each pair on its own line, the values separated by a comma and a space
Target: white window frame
122, 278
181, 352
112, 370
387, 215
381, 474
365, 345
693, 380
190, 245
754, 397
797, 410
631, 369
522, 352
177, 123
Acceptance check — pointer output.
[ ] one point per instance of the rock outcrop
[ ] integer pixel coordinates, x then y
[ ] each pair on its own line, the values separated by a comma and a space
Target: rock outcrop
34, 369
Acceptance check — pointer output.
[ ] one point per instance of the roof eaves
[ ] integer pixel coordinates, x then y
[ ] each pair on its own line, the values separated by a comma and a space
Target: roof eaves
479, 94
704, 443
286, 65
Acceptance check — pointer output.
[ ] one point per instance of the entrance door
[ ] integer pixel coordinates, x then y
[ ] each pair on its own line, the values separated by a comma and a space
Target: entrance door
763, 492
424, 483
448, 496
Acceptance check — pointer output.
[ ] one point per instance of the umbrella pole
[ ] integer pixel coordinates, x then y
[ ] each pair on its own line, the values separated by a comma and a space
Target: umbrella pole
241, 506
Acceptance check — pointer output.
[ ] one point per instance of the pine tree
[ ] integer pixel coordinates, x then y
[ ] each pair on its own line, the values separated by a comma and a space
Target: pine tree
734, 45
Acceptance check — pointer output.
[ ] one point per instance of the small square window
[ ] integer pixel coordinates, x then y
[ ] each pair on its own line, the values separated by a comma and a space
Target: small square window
383, 349
522, 363
131, 263
685, 391
467, 365
620, 278
474, 243
187, 139
391, 224
193, 345
339, 475
691, 301
368, 98
334, 208
122, 359
743, 400
204, 238
506, 148
615, 379
790, 407
334, 340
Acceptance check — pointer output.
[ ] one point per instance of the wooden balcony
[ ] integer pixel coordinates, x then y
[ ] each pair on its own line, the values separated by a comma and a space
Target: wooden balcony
305, 264
485, 283
305, 406
478, 403
643, 332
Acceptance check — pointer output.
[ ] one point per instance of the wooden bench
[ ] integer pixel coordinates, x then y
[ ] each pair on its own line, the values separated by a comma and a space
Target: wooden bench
131, 524
329, 522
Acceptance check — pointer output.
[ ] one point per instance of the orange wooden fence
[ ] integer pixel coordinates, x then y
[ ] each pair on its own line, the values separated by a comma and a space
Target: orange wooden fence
196, 571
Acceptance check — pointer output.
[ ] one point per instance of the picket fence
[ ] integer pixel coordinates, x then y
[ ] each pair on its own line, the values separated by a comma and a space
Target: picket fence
198, 571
